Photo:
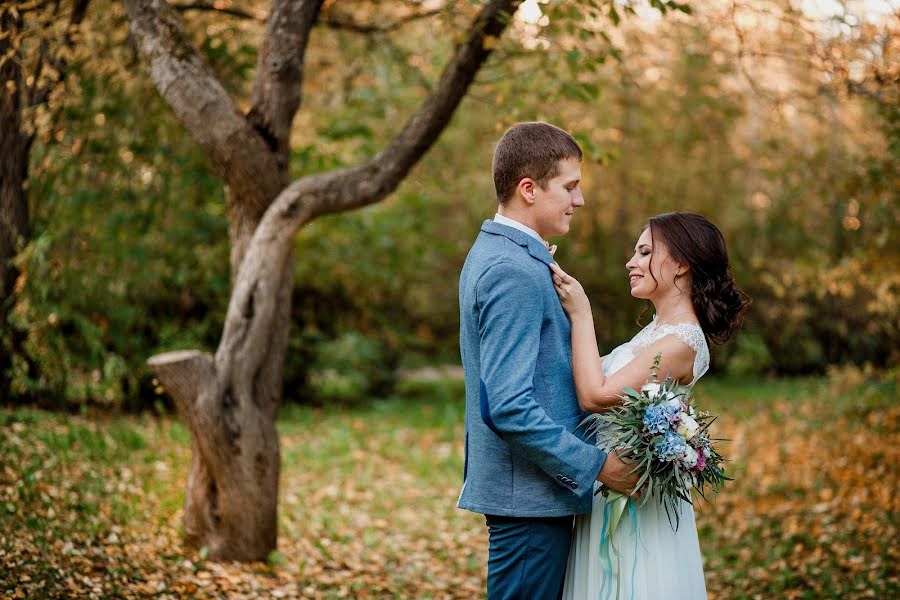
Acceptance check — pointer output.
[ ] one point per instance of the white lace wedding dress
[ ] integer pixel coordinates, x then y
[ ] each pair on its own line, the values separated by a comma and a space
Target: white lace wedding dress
654, 562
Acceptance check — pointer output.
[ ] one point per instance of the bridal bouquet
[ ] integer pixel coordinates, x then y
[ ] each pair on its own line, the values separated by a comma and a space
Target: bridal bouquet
661, 432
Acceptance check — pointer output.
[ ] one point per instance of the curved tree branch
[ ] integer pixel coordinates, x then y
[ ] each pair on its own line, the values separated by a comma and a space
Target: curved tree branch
252, 306
373, 180
240, 156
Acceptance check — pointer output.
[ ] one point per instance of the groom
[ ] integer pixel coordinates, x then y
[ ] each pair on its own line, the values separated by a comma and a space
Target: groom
525, 469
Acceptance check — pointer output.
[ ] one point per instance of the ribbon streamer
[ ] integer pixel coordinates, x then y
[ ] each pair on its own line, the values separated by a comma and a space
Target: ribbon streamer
613, 510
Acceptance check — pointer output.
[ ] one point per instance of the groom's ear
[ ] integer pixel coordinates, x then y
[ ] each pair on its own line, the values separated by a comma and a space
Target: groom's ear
526, 189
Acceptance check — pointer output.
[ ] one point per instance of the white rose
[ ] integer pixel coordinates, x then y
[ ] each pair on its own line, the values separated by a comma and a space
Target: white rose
689, 458
651, 389
672, 399
688, 427
706, 452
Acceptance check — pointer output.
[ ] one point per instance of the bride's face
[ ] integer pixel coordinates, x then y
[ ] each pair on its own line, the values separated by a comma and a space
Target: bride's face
651, 270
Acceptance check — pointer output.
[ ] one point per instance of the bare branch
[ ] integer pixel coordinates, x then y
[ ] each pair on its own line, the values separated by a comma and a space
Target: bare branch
279, 72
345, 24
211, 7
186, 82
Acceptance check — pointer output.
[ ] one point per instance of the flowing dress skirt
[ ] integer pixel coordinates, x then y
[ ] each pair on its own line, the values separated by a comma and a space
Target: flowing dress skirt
653, 563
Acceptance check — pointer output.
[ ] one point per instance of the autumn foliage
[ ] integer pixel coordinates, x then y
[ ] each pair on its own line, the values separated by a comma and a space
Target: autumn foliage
91, 508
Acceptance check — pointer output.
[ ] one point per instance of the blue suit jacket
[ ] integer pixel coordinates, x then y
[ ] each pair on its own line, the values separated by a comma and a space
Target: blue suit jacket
522, 458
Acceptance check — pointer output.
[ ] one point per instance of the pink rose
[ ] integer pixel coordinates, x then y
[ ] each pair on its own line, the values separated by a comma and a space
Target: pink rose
701, 462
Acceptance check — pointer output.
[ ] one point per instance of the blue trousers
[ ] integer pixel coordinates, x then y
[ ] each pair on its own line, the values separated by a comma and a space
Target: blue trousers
527, 557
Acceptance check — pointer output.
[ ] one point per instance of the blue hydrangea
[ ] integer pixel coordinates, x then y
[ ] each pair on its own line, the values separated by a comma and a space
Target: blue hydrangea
672, 446
658, 416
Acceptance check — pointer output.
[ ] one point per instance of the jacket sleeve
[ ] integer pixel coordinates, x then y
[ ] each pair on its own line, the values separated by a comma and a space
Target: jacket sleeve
510, 317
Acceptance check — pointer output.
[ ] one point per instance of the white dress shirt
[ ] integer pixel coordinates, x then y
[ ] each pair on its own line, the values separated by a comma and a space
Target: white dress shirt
498, 218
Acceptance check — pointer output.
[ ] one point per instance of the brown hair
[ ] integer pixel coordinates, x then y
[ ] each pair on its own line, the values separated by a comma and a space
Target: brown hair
530, 150
693, 241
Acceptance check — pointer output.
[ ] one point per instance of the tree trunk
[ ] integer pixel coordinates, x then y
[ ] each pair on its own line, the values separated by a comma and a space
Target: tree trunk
13, 175
232, 486
230, 403
232, 489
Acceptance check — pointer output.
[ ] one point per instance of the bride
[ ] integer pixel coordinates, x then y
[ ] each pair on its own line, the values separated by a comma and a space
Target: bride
680, 265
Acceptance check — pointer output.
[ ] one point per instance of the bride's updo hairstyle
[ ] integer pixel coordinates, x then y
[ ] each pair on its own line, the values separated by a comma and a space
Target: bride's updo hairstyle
693, 241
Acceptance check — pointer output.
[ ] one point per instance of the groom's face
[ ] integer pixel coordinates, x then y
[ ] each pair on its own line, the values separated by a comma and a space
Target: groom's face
555, 203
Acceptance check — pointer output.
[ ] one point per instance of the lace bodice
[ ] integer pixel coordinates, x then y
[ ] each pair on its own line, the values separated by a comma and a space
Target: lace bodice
688, 333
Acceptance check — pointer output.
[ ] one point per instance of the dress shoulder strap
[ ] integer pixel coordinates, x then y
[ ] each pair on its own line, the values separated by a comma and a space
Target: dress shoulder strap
693, 336
688, 333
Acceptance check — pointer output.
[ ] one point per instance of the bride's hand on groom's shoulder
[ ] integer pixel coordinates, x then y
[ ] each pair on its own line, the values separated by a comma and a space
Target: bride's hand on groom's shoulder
571, 294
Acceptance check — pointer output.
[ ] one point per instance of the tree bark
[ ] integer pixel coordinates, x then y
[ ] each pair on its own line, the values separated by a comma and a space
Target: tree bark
230, 400
232, 488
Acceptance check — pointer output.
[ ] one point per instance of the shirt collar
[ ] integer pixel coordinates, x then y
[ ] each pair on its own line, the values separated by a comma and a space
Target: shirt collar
535, 248
498, 218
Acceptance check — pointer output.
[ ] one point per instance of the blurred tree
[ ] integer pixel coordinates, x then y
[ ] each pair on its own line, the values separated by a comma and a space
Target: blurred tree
36, 40
820, 234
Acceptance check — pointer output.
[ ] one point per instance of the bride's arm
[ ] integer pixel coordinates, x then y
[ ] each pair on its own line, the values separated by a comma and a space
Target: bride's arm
677, 361
595, 391
587, 365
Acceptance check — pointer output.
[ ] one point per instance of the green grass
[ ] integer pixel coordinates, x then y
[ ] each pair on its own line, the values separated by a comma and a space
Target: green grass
367, 504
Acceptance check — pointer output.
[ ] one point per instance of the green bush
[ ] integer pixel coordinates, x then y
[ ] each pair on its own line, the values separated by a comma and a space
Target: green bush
351, 368
812, 316
750, 356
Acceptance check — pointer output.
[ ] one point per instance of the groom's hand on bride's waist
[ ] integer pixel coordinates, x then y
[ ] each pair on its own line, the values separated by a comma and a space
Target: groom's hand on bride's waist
618, 475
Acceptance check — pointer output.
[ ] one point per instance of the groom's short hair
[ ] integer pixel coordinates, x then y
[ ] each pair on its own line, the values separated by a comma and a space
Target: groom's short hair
531, 150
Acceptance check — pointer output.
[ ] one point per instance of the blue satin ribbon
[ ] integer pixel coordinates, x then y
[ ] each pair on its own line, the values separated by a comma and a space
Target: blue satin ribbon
608, 547
605, 558
634, 529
